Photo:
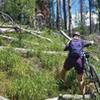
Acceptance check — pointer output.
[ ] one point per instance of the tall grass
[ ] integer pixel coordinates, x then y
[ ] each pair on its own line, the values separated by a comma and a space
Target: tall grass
33, 76
41, 86
23, 81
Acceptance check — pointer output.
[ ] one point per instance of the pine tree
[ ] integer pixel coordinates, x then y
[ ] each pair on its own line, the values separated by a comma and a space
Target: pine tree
58, 15
65, 13
70, 17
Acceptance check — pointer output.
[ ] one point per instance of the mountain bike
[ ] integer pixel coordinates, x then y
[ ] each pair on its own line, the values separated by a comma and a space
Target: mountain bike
92, 77
91, 73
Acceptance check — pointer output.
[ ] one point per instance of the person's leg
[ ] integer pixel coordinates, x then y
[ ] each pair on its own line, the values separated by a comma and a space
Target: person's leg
80, 75
66, 67
80, 78
63, 74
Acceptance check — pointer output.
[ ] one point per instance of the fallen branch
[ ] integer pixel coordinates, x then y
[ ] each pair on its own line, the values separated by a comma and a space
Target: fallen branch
33, 33
6, 15
16, 39
23, 50
4, 30
2, 98
7, 26
17, 27
69, 96
7, 37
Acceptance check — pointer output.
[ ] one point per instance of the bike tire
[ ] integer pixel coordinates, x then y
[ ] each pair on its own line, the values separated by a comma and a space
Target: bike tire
95, 78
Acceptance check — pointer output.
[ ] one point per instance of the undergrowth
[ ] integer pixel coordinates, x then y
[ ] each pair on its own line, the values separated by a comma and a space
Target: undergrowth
33, 75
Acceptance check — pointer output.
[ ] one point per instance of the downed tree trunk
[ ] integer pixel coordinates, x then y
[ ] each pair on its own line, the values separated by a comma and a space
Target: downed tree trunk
2, 98
16, 39
33, 33
7, 28
24, 51
72, 97
4, 30
8, 37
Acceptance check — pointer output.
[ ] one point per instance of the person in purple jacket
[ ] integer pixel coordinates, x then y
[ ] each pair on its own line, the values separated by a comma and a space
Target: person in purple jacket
75, 59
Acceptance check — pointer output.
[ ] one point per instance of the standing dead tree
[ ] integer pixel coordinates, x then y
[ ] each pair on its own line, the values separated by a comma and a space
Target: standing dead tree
70, 17
58, 15
65, 13
90, 15
81, 10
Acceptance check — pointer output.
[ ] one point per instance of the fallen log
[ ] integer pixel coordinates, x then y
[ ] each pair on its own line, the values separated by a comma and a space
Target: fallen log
4, 30
8, 37
72, 97
16, 39
7, 26
17, 27
33, 33
2, 98
24, 51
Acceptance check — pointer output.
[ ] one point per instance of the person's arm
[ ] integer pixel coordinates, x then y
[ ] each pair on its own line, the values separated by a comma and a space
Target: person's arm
87, 43
67, 47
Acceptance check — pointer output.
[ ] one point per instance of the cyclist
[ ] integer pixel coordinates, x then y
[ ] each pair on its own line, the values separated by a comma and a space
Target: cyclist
75, 59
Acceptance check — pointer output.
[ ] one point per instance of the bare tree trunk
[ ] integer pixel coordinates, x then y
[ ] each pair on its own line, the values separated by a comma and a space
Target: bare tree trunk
65, 13
70, 18
99, 20
50, 14
99, 13
90, 16
53, 15
81, 10
58, 15
43, 7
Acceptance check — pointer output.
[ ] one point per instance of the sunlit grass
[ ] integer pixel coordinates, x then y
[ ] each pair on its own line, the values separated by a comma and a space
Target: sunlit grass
33, 75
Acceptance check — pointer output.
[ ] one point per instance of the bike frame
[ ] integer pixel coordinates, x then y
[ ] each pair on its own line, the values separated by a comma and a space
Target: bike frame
91, 73
86, 65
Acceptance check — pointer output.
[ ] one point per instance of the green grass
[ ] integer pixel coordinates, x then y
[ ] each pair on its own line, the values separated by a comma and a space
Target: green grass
33, 76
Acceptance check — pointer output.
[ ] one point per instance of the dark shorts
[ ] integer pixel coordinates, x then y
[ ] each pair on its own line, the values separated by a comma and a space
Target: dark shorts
75, 61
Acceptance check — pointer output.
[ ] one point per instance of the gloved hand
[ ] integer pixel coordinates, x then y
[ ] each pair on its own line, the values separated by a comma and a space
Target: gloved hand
92, 42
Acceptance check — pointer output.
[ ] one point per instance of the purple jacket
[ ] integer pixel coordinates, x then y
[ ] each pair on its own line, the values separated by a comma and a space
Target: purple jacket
76, 46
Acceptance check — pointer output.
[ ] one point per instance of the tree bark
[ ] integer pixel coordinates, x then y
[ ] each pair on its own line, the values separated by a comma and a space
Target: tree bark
90, 16
25, 51
72, 97
43, 7
81, 10
70, 17
30, 31
58, 15
99, 20
4, 30
65, 14
53, 15
99, 13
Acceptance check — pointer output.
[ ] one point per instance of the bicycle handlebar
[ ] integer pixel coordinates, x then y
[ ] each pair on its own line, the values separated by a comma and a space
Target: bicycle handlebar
86, 54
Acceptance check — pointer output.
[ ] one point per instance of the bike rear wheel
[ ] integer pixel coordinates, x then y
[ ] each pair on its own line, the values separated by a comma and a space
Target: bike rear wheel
95, 78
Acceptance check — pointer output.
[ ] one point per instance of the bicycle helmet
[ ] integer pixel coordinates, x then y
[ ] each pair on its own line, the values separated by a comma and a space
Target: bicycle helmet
76, 34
